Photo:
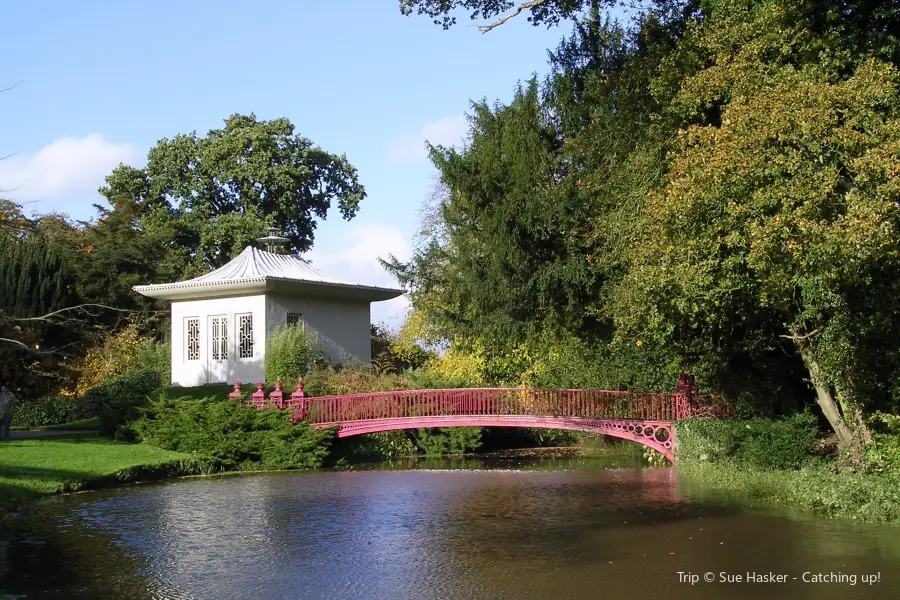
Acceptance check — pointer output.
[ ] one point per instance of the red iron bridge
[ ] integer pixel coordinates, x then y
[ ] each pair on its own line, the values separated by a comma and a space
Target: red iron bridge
645, 418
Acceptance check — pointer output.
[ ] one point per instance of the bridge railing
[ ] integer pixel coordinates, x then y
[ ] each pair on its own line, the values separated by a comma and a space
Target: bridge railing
596, 404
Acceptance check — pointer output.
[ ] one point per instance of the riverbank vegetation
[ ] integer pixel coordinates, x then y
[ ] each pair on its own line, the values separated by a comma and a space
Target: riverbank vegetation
785, 462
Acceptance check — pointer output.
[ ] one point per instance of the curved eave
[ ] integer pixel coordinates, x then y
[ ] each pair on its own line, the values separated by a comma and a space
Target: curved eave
262, 285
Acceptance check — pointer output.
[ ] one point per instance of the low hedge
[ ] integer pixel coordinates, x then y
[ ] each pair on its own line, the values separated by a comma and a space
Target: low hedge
228, 434
41, 412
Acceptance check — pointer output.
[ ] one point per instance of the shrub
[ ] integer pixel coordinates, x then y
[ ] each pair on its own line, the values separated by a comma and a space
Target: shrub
291, 352
373, 447
761, 443
884, 451
448, 440
235, 437
116, 401
49, 410
328, 381
118, 353
157, 357
423, 379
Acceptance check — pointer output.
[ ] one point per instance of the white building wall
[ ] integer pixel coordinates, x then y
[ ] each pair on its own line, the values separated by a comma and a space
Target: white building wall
199, 372
343, 325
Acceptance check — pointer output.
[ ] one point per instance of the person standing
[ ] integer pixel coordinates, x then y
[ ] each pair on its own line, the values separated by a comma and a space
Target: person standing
7, 402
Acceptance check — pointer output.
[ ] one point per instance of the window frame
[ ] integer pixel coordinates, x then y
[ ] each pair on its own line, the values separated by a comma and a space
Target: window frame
239, 336
222, 338
186, 339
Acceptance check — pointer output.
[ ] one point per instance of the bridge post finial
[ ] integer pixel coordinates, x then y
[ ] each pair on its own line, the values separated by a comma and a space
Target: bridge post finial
277, 396
236, 393
259, 396
299, 400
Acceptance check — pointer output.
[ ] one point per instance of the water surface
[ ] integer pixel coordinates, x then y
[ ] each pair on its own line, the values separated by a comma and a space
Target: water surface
505, 531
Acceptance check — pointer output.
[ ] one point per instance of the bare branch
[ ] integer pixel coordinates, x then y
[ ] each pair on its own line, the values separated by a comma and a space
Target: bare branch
26, 346
515, 13
68, 309
800, 338
9, 87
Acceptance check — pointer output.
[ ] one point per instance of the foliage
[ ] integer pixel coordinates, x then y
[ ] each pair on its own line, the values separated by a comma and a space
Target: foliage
157, 357
117, 353
884, 451
426, 379
712, 186
393, 353
654, 458
572, 363
845, 494
512, 261
541, 12
116, 400
117, 256
235, 437
47, 410
291, 351
328, 381
216, 194
386, 445
778, 217
448, 440
787, 443
35, 280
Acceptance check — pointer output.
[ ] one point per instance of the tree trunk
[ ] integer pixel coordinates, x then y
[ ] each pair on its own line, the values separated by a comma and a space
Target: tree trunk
825, 398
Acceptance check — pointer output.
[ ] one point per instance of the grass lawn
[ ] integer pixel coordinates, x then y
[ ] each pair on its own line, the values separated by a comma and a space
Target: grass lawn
35, 467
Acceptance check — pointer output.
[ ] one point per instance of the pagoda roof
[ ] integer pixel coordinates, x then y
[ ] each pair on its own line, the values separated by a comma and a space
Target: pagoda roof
256, 271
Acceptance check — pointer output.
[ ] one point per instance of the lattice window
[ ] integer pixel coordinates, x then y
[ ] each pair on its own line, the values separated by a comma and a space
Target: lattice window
218, 337
192, 338
245, 336
294, 319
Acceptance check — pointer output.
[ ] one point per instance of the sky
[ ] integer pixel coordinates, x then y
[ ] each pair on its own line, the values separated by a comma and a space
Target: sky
98, 83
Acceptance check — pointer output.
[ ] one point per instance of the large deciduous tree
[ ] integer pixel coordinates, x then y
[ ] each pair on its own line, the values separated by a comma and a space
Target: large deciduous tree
215, 194
779, 217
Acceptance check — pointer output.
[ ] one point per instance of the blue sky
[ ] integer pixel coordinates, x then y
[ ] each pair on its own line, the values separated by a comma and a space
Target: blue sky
102, 81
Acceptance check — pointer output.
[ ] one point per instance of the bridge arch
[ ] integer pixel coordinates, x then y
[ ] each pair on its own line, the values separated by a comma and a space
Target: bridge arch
658, 435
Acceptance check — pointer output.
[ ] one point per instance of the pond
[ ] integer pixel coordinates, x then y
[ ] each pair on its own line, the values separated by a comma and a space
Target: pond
500, 529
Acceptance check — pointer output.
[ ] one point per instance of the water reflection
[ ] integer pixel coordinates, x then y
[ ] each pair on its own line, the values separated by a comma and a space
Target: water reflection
430, 532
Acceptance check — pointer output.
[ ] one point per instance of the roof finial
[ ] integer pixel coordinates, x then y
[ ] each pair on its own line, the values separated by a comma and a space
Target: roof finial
273, 241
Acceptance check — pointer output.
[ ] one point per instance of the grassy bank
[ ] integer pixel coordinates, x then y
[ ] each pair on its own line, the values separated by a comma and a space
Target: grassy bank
37, 467
776, 462
846, 495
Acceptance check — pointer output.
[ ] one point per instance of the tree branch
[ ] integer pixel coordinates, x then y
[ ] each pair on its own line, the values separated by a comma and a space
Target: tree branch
800, 338
4, 340
64, 310
515, 13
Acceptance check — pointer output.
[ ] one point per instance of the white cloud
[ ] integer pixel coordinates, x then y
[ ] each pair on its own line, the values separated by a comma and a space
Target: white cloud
353, 257
410, 147
66, 168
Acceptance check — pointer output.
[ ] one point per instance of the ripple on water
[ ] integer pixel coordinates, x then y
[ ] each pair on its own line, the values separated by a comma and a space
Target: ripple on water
443, 533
